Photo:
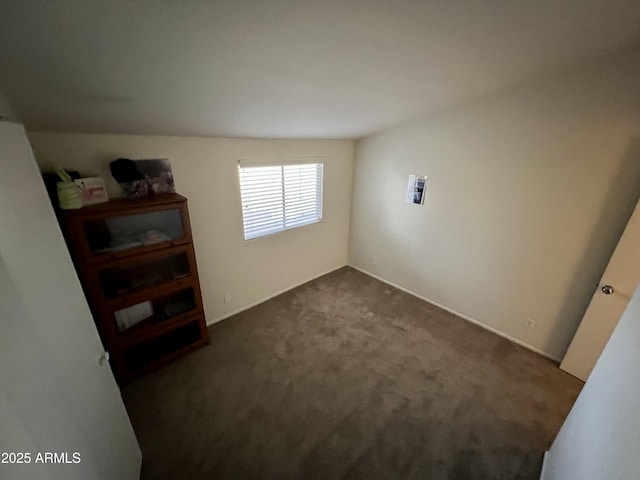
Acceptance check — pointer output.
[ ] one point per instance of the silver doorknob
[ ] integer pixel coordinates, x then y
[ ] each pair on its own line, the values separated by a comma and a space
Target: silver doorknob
607, 289
102, 358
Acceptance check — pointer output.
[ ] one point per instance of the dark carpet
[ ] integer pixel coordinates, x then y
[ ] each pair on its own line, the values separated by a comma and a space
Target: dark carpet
348, 378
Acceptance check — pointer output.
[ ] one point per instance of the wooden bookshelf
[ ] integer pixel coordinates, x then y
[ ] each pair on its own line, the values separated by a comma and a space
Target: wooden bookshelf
137, 266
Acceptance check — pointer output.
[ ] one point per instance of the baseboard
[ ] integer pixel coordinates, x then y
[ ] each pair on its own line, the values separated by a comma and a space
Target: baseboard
269, 297
458, 314
544, 464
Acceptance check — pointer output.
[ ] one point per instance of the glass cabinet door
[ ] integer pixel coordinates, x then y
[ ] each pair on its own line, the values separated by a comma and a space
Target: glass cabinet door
145, 353
130, 277
121, 233
159, 309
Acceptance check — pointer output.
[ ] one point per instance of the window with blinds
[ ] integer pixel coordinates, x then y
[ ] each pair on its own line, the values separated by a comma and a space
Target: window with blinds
278, 198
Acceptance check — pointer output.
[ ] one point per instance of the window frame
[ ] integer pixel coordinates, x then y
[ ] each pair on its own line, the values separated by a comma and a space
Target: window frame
295, 188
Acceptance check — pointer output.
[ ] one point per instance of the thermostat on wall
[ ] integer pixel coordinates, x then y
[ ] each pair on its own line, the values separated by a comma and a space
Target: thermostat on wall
415, 189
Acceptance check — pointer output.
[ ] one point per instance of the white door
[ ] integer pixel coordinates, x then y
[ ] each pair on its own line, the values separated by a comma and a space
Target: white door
58, 402
608, 303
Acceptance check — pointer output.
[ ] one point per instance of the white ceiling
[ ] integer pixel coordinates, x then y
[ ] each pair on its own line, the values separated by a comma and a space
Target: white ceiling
276, 68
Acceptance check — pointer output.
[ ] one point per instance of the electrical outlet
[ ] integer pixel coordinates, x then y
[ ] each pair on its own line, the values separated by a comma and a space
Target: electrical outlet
227, 297
530, 324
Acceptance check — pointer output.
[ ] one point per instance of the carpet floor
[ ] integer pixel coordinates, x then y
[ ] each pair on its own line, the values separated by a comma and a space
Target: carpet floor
347, 378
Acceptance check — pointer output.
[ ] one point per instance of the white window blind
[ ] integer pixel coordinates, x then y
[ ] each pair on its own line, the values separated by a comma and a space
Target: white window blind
277, 198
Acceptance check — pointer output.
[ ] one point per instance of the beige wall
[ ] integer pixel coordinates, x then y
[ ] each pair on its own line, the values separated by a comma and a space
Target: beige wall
528, 192
205, 171
600, 437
